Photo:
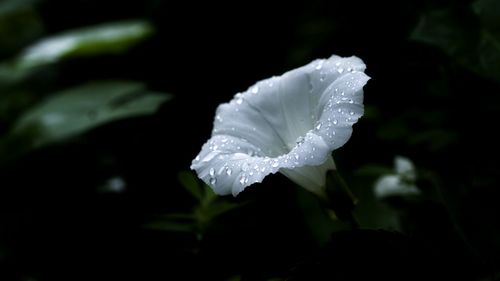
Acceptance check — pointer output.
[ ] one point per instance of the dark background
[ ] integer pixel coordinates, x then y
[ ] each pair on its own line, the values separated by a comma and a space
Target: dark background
433, 97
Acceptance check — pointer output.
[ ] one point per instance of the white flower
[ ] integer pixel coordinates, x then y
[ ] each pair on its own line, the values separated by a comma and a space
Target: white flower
289, 124
400, 184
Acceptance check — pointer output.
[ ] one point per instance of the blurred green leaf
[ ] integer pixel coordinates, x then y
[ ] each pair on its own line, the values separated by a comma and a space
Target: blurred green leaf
488, 12
374, 170
109, 38
19, 23
210, 212
82, 108
190, 183
171, 225
208, 195
319, 222
472, 40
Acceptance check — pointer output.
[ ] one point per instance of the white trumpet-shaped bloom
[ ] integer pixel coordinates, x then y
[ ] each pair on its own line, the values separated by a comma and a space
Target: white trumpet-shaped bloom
290, 124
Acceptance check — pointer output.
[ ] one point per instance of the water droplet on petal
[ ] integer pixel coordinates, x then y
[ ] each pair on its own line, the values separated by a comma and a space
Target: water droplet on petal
212, 172
255, 90
351, 113
335, 121
349, 69
275, 164
213, 181
340, 70
319, 125
229, 171
197, 158
299, 140
245, 166
319, 66
243, 180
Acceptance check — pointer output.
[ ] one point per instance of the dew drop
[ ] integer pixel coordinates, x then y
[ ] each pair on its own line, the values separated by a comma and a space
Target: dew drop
296, 156
275, 164
300, 140
213, 181
197, 158
245, 166
319, 126
340, 70
243, 180
255, 90
335, 121
351, 113
229, 171
212, 172
349, 69
319, 66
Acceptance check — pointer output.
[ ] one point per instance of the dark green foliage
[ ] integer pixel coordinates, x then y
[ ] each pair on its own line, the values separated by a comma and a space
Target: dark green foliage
94, 155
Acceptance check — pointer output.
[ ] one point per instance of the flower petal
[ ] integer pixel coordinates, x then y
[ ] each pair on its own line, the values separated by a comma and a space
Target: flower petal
341, 105
405, 168
392, 185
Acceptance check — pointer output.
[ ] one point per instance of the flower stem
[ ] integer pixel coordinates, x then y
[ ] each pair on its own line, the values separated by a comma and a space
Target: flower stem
340, 199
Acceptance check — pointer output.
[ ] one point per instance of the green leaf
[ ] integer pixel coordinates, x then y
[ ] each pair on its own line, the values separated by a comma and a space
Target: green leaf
76, 110
190, 183
488, 11
208, 213
374, 170
172, 226
109, 38
472, 40
316, 218
174, 222
19, 24
208, 195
